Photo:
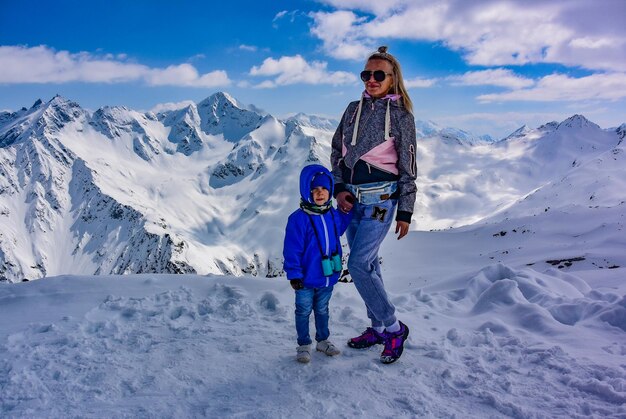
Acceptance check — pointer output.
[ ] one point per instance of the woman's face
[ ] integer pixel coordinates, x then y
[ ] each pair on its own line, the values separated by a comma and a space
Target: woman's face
375, 88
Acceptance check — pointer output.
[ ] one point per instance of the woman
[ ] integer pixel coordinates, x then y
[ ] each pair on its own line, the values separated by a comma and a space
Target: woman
373, 161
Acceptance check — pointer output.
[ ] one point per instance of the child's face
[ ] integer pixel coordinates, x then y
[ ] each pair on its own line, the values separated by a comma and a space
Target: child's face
320, 195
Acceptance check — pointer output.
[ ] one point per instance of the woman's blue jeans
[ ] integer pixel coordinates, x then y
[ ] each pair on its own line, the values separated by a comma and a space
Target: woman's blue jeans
316, 300
366, 232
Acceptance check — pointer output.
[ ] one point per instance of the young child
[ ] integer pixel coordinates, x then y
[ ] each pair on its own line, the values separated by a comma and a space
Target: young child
312, 254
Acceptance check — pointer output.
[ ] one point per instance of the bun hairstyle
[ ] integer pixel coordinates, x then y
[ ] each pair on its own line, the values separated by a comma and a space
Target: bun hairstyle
398, 81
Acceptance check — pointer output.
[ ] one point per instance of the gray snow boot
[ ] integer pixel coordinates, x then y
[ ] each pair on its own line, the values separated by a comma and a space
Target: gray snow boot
328, 348
303, 354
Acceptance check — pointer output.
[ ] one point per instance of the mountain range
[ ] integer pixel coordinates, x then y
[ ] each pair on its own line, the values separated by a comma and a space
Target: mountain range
207, 188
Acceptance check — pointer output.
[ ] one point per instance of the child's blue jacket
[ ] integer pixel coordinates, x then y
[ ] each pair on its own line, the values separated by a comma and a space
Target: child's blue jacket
301, 250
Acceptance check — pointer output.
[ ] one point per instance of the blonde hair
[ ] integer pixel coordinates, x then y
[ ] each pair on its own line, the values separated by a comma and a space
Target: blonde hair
398, 81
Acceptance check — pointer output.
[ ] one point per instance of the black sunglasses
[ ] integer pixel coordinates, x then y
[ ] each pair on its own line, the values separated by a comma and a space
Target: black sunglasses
379, 75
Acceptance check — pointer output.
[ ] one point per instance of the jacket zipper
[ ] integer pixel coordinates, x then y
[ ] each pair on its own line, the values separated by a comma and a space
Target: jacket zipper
364, 123
382, 170
327, 241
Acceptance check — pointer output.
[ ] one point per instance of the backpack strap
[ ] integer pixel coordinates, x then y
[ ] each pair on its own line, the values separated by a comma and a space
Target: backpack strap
317, 237
358, 119
335, 230
387, 121
356, 123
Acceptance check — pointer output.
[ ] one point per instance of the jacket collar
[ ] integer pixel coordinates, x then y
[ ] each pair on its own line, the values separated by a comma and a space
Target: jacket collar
393, 97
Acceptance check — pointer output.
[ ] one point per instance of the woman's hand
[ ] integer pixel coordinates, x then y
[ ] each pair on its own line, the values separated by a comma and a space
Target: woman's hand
402, 227
345, 201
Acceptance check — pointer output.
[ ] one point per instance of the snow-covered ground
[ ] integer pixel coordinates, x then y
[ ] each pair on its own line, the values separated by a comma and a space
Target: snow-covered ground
490, 337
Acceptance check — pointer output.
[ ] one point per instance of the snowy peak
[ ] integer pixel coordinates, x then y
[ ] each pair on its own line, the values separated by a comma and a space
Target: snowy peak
520, 132
6, 118
142, 132
313, 121
221, 114
464, 137
426, 128
113, 121
251, 154
221, 99
58, 102
184, 129
573, 124
59, 112
548, 127
42, 119
187, 115
575, 138
37, 104
576, 122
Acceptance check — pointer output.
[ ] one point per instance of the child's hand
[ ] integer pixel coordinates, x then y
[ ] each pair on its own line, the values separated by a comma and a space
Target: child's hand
296, 284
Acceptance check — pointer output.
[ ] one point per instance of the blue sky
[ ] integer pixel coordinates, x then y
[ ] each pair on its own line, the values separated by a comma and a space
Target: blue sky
487, 66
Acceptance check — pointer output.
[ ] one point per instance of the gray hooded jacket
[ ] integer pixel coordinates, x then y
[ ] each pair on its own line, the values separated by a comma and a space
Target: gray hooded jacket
368, 157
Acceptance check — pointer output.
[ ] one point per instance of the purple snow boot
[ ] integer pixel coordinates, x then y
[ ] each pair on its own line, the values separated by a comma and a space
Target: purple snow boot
368, 338
394, 344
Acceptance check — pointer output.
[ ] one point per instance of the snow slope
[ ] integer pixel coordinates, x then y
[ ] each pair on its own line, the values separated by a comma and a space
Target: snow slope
490, 341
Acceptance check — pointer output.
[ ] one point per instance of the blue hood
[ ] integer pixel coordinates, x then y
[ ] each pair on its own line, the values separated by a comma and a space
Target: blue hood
306, 177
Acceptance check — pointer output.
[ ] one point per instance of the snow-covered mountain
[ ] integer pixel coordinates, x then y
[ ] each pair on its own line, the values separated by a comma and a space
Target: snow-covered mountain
55, 216
119, 191
222, 114
455, 135
464, 185
313, 121
519, 133
207, 188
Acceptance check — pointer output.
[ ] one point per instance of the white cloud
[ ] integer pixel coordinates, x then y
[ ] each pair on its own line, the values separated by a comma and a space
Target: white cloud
559, 87
494, 77
20, 64
185, 75
171, 106
419, 83
594, 43
341, 34
295, 69
374, 6
280, 14
196, 57
267, 84
249, 48
489, 32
